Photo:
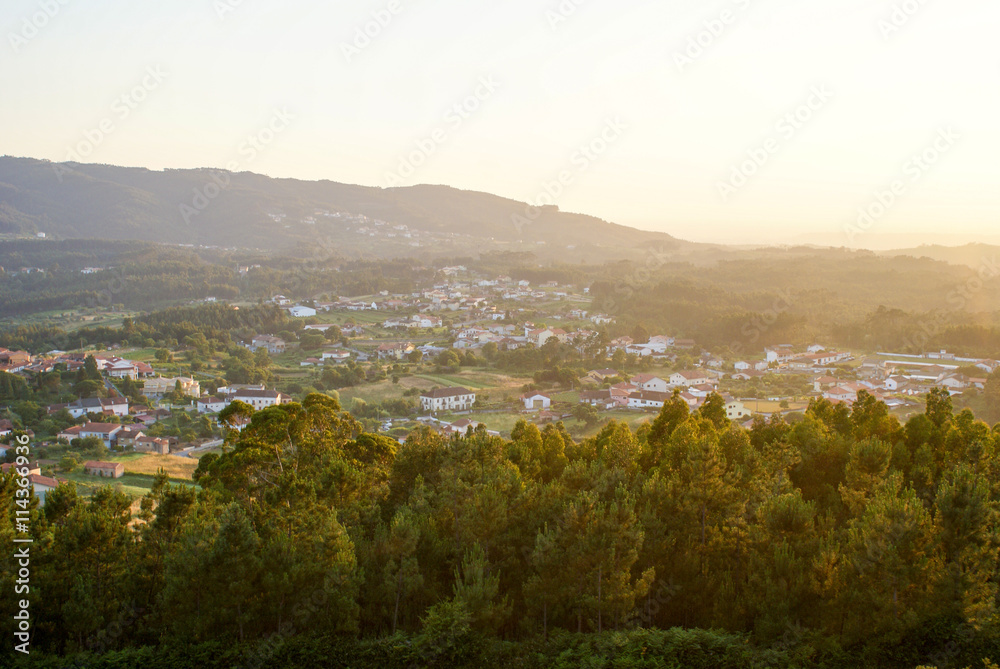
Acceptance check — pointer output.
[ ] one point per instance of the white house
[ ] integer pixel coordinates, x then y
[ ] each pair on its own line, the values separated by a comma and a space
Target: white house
447, 399
688, 379
81, 407
988, 366
104, 431
210, 404
954, 381
846, 392
650, 382
299, 311
894, 383
660, 343
271, 343
41, 485
160, 386
536, 401
119, 368
260, 399
735, 409
647, 399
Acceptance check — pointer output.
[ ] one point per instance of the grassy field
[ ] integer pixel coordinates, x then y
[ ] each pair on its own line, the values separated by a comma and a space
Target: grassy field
766, 406
493, 383
72, 319
501, 422
139, 354
359, 317
176, 467
468, 380
134, 485
571, 396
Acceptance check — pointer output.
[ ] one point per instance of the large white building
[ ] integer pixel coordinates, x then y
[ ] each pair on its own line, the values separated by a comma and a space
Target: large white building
160, 386
690, 378
272, 344
81, 407
260, 399
650, 382
448, 399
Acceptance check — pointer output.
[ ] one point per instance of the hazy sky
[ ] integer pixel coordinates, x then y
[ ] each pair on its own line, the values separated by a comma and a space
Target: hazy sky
671, 99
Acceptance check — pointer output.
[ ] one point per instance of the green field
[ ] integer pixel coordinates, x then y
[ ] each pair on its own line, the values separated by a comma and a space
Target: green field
134, 485
496, 384
501, 422
471, 381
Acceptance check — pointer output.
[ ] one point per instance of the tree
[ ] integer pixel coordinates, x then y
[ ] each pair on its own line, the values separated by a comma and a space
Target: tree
939, 406
477, 587
88, 388
312, 341
891, 558
90, 368
586, 413
966, 523
991, 396
714, 409
447, 359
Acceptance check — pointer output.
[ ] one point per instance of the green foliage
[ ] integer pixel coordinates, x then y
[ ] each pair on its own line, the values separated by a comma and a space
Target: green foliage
844, 540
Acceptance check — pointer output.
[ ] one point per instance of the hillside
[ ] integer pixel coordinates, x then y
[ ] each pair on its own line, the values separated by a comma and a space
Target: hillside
246, 210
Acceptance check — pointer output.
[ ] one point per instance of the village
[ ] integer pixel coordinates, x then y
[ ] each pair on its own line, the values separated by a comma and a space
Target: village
436, 358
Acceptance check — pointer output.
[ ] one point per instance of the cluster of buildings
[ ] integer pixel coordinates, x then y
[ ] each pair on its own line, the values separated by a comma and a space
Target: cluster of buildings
650, 391
256, 396
13, 362
125, 437
894, 380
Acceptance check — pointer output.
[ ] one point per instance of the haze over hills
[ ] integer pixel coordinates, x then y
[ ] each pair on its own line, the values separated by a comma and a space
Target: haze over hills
975, 255
250, 211
247, 210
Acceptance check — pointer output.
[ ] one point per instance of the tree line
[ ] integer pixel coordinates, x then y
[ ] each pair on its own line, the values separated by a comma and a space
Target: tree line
844, 537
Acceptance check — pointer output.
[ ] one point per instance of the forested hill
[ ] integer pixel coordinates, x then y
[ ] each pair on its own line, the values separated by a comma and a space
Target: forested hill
844, 539
212, 207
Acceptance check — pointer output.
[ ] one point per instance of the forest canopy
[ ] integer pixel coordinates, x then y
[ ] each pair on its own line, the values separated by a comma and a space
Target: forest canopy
844, 539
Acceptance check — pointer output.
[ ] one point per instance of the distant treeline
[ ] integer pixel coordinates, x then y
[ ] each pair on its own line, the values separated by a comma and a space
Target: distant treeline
216, 323
855, 300
144, 276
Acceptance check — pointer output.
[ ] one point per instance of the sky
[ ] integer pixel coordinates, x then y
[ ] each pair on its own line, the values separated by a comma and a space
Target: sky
864, 123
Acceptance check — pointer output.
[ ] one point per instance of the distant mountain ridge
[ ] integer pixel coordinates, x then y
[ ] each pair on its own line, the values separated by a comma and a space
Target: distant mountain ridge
246, 210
